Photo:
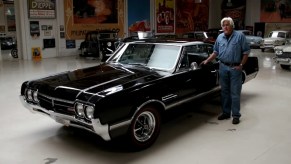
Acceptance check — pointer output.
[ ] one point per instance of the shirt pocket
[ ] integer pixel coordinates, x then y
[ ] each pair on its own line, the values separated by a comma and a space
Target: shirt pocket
235, 44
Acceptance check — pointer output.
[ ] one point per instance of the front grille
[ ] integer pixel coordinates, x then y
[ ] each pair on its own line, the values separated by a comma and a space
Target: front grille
57, 105
285, 55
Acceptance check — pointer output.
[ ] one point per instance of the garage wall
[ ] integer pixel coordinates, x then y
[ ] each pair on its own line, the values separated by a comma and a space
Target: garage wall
26, 42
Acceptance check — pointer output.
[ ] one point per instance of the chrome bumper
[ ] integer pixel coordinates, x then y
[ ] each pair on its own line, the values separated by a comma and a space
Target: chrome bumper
285, 61
95, 126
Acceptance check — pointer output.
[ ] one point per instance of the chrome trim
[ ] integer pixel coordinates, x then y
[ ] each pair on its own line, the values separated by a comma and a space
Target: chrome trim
193, 97
168, 97
95, 127
56, 99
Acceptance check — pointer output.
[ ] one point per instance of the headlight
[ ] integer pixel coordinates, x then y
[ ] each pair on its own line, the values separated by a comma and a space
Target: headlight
29, 94
89, 112
34, 96
80, 109
278, 52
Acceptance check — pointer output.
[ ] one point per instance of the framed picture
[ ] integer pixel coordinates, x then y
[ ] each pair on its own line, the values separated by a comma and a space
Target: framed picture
70, 44
62, 34
62, 28
49, 27
2, 28
49, 43
47, 33
34, 29
43, 27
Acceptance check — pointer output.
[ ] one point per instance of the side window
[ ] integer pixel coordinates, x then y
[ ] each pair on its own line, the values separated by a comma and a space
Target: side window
184, 61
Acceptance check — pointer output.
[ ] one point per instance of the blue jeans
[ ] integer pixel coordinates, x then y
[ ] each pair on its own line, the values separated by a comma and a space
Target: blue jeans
231, 85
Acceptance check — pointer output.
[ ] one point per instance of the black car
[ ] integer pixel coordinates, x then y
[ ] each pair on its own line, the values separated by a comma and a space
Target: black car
131, 91
7, 43
100, 44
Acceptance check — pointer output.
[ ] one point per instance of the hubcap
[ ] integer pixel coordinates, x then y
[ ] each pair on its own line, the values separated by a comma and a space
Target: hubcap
144, 126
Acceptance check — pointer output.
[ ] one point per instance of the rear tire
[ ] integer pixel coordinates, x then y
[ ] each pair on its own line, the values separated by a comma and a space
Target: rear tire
262, 49
144, 128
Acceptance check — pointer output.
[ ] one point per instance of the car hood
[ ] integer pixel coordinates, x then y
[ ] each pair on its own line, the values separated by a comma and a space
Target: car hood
284, 48
100, 81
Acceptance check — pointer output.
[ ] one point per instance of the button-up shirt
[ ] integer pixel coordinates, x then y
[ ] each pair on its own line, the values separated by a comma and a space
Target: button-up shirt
231, 50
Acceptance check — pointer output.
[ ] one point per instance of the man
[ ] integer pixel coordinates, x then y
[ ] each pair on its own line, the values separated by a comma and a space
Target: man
232, 51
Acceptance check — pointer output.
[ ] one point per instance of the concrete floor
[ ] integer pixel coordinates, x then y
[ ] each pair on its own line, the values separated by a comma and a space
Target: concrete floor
196, 137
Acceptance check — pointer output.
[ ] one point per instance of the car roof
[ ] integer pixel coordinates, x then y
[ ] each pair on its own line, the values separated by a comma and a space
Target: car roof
170, 42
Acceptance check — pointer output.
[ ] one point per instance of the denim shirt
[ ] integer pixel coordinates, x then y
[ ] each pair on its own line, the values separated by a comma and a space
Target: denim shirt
231, 50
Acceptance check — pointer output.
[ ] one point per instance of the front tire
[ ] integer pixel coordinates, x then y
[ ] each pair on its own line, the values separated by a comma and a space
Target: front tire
144, 128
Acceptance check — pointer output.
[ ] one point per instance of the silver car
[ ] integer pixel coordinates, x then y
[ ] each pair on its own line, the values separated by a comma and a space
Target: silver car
283, 55
275, 38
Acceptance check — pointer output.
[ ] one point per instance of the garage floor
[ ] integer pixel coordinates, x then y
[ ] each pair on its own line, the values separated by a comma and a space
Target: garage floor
196, 136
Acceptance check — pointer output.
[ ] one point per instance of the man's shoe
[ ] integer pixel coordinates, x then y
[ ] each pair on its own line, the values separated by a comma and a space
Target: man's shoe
235, 121
223, 116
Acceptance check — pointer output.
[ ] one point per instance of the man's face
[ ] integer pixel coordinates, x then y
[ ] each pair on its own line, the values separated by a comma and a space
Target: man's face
227, 28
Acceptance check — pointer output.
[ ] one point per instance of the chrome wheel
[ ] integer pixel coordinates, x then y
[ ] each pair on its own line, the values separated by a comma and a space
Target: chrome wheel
144, 126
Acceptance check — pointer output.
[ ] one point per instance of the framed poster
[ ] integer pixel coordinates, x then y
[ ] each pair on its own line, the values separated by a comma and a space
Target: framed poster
275, 11
88, 15
165, 16
34, 29
43, 27
138, 15
36, 53
41, 9
70, 44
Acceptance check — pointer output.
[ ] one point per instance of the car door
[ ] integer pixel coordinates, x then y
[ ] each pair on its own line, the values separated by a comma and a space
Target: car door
191, 83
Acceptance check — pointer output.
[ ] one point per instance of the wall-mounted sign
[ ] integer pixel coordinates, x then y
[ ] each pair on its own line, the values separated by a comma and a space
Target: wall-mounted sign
42, 8
34, 29
36, 53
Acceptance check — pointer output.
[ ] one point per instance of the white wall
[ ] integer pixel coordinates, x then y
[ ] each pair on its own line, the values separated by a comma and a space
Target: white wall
26, 42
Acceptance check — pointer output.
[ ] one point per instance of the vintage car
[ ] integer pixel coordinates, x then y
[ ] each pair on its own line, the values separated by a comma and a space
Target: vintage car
7, 43
275, 38
99, 43
129, 94
253, 41
199, 36
283, 56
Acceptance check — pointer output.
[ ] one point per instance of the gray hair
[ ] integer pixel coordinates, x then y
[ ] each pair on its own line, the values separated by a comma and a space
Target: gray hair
228, 19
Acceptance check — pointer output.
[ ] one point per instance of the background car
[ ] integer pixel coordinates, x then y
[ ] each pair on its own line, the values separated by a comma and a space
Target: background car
199, 36
99, 43
283, 55
275, 38
7, 43
253, 41
129, 94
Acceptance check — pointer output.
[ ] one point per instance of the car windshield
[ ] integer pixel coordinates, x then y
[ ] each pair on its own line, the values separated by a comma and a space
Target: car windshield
154, 56
277, 34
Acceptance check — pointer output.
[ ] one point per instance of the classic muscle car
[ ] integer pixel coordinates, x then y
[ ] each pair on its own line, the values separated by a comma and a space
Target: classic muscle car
253, 41
275, 38
129, 93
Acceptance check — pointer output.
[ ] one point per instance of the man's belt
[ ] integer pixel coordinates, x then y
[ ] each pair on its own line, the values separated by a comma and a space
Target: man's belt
230, 64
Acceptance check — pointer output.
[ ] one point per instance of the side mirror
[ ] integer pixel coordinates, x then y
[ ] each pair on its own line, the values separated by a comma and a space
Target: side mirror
194, 66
